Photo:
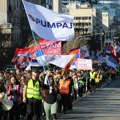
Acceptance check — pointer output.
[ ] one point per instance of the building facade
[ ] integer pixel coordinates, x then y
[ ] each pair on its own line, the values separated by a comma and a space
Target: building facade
102, 19
84, 17
14, 25
10, 21
117, 18
65, 2
57, 6
109, 1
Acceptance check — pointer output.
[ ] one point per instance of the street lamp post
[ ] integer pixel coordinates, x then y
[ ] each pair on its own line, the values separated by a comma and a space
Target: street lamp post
85, 36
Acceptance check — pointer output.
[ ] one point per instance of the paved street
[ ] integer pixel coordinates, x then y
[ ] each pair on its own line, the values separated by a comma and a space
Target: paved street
102, 105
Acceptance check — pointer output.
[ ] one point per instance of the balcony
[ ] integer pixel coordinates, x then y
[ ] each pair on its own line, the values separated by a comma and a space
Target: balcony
6, 28
7, 25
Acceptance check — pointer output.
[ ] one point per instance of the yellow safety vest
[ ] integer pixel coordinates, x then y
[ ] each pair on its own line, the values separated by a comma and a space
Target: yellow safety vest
33, 91
101, 77
92, 75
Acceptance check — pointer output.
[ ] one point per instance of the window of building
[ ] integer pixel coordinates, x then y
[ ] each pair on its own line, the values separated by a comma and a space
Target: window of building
89, 18
89, 23
9, 6
84, 18
74, 24
82, 24
86, 24
77, 18
79, 24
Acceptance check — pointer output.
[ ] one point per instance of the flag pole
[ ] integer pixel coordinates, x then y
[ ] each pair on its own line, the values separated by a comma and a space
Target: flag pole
34, 37
39, 51
36, 44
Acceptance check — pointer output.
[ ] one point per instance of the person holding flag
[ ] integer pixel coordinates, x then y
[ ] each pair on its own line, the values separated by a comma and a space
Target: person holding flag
50, 98
32, 96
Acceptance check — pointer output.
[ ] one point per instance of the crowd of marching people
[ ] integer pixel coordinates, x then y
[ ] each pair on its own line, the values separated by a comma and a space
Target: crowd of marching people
38, 95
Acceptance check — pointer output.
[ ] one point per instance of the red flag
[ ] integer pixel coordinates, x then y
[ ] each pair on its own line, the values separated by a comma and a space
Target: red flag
22, 50
109, 49
65, 70
115, 57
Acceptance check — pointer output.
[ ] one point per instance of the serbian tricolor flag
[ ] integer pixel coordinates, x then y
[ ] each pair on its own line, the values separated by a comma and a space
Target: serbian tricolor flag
111, 61
31, 52
109, 49
35, 51
22, 52
65, 70
114, 57
25, 54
